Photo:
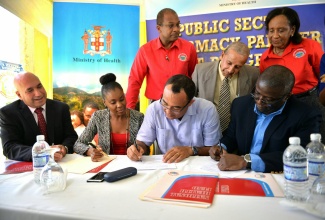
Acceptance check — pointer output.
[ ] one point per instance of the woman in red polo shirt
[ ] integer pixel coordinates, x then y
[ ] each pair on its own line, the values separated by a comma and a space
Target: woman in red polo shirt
302, 56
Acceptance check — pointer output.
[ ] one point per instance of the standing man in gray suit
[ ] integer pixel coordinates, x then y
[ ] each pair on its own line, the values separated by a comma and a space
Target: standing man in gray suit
208, 77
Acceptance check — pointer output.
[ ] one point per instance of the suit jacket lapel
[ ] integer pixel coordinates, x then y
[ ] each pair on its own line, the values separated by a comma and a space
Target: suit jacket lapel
273, 126
29, 117
251, 123
50, 117
275, 123
210, 80
242, 81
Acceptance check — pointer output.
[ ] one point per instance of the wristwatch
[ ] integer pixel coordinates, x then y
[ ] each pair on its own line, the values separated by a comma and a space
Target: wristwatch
248, 160
66, 149
195, 151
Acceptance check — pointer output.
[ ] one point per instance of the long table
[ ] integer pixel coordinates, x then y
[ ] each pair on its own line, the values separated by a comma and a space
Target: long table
21, 198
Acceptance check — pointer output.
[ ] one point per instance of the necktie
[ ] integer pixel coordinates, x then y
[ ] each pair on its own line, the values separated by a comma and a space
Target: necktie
41, 122
224, 104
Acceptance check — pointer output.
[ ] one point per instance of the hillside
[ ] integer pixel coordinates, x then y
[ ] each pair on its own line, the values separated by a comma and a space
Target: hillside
76, 98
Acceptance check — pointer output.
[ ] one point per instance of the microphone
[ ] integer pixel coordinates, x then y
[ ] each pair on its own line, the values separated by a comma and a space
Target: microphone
167, 58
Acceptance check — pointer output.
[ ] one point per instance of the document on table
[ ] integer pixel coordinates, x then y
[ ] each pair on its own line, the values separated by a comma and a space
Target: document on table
79, 164
153, 162
212, 166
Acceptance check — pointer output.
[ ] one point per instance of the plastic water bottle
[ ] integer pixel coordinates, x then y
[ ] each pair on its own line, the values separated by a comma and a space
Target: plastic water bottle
315, 157
295, 171
317, 194
40, 156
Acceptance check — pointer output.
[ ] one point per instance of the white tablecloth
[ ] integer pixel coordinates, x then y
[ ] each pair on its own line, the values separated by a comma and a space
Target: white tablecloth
21, 198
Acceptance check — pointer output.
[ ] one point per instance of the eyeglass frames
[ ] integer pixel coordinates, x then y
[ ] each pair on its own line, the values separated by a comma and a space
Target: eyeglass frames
173, 109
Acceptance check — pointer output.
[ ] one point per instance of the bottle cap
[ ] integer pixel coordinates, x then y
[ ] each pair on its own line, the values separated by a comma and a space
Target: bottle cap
294, 140
315, 137
40, 138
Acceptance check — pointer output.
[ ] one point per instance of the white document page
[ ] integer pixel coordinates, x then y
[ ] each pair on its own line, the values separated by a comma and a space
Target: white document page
212, 166
75, 163
153, 162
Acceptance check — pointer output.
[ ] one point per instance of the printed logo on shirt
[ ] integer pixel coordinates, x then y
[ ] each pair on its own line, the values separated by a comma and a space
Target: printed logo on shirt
182, 57
299, 53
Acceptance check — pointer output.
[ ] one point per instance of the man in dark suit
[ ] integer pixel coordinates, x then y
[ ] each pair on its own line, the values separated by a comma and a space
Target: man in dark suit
262, 123
19, 122
208, 77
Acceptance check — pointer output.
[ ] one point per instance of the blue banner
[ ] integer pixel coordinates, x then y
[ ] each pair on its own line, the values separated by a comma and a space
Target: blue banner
212, 33
90, 40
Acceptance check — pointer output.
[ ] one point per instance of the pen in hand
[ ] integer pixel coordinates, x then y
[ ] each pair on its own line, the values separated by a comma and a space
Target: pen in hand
93, 145
216, 153
221, 151
136, 146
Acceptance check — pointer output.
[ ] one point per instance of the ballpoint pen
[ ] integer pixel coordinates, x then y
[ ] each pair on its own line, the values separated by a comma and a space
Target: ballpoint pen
95, 147
221, 148
221, 151
136, 146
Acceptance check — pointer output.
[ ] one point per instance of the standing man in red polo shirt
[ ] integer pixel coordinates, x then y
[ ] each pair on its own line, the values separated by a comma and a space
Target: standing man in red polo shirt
161, 58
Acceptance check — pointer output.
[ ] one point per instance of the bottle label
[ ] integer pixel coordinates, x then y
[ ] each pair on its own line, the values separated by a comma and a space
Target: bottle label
297, 174
40, 161
315, 168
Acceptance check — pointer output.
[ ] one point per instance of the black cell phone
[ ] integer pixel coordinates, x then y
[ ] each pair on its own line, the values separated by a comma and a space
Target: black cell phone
98, 177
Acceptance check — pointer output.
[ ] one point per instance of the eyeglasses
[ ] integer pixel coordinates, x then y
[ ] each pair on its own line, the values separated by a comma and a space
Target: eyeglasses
173, 109
171, 26
257, 97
